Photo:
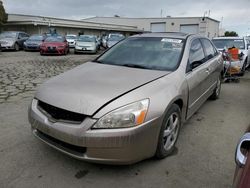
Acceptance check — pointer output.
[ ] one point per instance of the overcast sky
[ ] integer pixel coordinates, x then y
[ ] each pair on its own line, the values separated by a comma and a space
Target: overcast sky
236, 14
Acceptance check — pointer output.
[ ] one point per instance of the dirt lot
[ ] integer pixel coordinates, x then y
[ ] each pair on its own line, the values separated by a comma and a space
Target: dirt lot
204, 156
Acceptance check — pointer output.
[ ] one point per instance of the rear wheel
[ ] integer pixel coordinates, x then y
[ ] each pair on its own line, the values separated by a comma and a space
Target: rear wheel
169, 132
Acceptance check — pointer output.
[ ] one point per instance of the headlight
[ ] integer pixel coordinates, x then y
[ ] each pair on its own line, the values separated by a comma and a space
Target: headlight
25, 44
127, 116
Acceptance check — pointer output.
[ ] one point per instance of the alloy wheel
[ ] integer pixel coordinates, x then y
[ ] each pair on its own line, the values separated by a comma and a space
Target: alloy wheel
171, 131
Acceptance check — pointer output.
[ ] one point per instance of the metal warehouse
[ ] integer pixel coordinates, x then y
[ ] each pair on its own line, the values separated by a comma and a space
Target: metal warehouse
205, 26
39, 24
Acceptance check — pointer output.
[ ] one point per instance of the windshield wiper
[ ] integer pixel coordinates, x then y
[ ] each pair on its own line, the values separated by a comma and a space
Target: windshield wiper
135, 66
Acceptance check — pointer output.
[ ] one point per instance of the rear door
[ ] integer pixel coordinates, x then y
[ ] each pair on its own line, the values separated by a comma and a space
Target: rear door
212, 64
196, 76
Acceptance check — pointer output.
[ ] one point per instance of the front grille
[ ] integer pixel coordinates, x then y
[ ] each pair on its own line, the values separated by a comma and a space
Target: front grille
59, 114
69, 148
51, 49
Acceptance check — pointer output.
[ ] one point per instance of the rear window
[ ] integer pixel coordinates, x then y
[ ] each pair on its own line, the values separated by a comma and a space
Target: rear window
145, 52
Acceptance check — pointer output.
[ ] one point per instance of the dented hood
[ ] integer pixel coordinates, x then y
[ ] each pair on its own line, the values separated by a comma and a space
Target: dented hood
88, 87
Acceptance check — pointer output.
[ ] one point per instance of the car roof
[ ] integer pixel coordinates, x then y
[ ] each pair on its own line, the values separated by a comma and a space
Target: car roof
165, 34
218, 38
13, 32
87, 36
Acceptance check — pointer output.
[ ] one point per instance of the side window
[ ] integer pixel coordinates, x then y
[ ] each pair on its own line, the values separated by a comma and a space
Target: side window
26, 35
248, 43
196, 55
209, 48
21, 35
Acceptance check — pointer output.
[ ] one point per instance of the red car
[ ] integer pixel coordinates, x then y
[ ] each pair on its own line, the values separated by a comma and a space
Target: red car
242, 158
54, 45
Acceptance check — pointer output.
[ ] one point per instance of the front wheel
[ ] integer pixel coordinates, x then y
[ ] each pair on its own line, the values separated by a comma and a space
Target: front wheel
169, 132
216, 92
16, 46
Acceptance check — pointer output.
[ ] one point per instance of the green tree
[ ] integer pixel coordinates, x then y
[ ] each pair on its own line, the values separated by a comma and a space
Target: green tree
3, 15
231, 34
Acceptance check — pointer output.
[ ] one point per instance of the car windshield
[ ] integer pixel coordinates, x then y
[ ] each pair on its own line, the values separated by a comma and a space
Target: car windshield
229, 43
116, 37
145, 52
54, 39
86, 39
36, 37
8, 35
71, 37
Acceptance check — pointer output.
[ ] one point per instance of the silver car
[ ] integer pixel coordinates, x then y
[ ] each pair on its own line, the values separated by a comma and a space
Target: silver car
223, 43
86, 43
113, 39
13, 40
129, 103
71, 39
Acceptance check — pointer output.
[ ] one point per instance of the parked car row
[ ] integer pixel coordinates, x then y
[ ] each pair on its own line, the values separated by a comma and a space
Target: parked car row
55, 44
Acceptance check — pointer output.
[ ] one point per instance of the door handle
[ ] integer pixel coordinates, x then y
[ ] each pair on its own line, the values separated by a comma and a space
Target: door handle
207, 70
240, 158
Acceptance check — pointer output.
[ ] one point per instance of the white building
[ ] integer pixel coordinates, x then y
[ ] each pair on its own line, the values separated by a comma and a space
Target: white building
205, 26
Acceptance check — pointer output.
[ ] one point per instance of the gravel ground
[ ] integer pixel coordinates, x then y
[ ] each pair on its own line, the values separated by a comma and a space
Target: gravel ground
204, 156
21, 72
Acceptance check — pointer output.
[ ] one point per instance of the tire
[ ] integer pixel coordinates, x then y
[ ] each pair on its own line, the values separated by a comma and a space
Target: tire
216, 92
243, 70
169, 132
16, 46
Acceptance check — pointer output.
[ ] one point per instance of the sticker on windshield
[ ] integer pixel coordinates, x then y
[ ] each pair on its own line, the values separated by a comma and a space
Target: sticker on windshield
171, 40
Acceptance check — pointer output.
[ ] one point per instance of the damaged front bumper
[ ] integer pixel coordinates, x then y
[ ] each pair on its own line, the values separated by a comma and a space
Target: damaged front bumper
108, 146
